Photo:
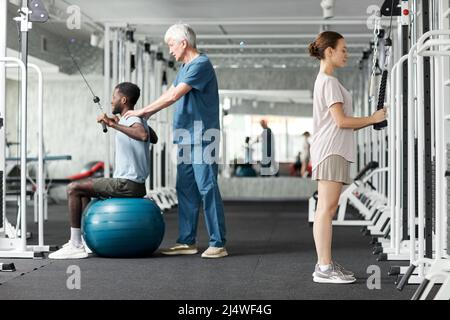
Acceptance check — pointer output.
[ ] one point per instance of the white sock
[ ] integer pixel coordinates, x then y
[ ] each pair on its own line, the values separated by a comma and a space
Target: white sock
324, 267
75, 237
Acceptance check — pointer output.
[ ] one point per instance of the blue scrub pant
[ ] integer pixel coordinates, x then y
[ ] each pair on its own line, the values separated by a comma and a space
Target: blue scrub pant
197, 184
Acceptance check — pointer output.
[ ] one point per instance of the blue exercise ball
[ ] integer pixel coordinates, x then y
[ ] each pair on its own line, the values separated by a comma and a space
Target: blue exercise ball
123, 227
245, 171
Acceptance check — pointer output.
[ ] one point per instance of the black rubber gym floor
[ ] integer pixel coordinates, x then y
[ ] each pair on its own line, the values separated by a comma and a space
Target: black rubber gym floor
271, 257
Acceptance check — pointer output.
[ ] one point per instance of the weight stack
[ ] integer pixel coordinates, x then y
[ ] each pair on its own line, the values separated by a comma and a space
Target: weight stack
433, 193
448, 199
1, 199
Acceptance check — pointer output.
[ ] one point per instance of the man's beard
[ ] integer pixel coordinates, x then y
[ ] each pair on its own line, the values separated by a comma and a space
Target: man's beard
117, 110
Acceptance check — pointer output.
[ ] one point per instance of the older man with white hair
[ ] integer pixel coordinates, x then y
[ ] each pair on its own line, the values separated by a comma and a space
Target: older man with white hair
195, 92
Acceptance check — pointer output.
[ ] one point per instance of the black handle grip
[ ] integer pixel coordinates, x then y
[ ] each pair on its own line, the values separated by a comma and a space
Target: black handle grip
380, 125
381, 97
97, 101
406, 277
105, 130
420, 290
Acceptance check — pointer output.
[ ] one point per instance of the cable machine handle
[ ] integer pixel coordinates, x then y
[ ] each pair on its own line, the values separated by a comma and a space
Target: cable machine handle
381, 97
97, 101
384, 75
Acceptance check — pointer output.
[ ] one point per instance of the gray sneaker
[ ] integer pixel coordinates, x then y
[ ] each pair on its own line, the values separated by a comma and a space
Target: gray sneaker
343, 270
339, 267
332, 275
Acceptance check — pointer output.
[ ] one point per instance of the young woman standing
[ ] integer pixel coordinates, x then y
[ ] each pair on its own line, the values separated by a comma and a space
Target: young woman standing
332, 148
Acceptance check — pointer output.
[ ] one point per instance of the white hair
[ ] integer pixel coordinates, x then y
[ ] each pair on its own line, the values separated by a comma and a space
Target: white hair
179, 32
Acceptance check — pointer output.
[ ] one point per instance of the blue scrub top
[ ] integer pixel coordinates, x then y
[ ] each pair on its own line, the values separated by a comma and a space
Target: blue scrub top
201, 104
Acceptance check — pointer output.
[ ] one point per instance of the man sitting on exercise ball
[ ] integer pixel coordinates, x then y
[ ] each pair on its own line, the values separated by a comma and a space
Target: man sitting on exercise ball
132, 157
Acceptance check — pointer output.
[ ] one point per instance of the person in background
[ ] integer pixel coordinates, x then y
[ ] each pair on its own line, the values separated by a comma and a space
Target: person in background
305, 154
268, 165
248, 151
296, 166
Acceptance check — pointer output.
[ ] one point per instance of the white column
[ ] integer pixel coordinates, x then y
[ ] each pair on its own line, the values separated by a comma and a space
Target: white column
3, 17
107, 95
23, 126
115, 57
445, 130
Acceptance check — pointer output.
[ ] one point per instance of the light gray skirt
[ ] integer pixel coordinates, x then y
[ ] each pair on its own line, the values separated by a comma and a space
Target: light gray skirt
333, 168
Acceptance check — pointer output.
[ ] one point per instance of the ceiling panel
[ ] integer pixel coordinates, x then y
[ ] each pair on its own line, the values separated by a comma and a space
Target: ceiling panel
271, 21
151, 18
215, 9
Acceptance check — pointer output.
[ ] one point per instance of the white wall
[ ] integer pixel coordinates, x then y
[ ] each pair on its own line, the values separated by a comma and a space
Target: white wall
70, 126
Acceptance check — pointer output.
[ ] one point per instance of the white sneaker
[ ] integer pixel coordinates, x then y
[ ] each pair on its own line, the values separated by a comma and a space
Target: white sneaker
69, 251
84, 244
180, 248
215, 252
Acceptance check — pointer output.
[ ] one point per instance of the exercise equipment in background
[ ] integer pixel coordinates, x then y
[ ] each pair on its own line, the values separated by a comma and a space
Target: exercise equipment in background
93, 169
7, 267
245, 170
